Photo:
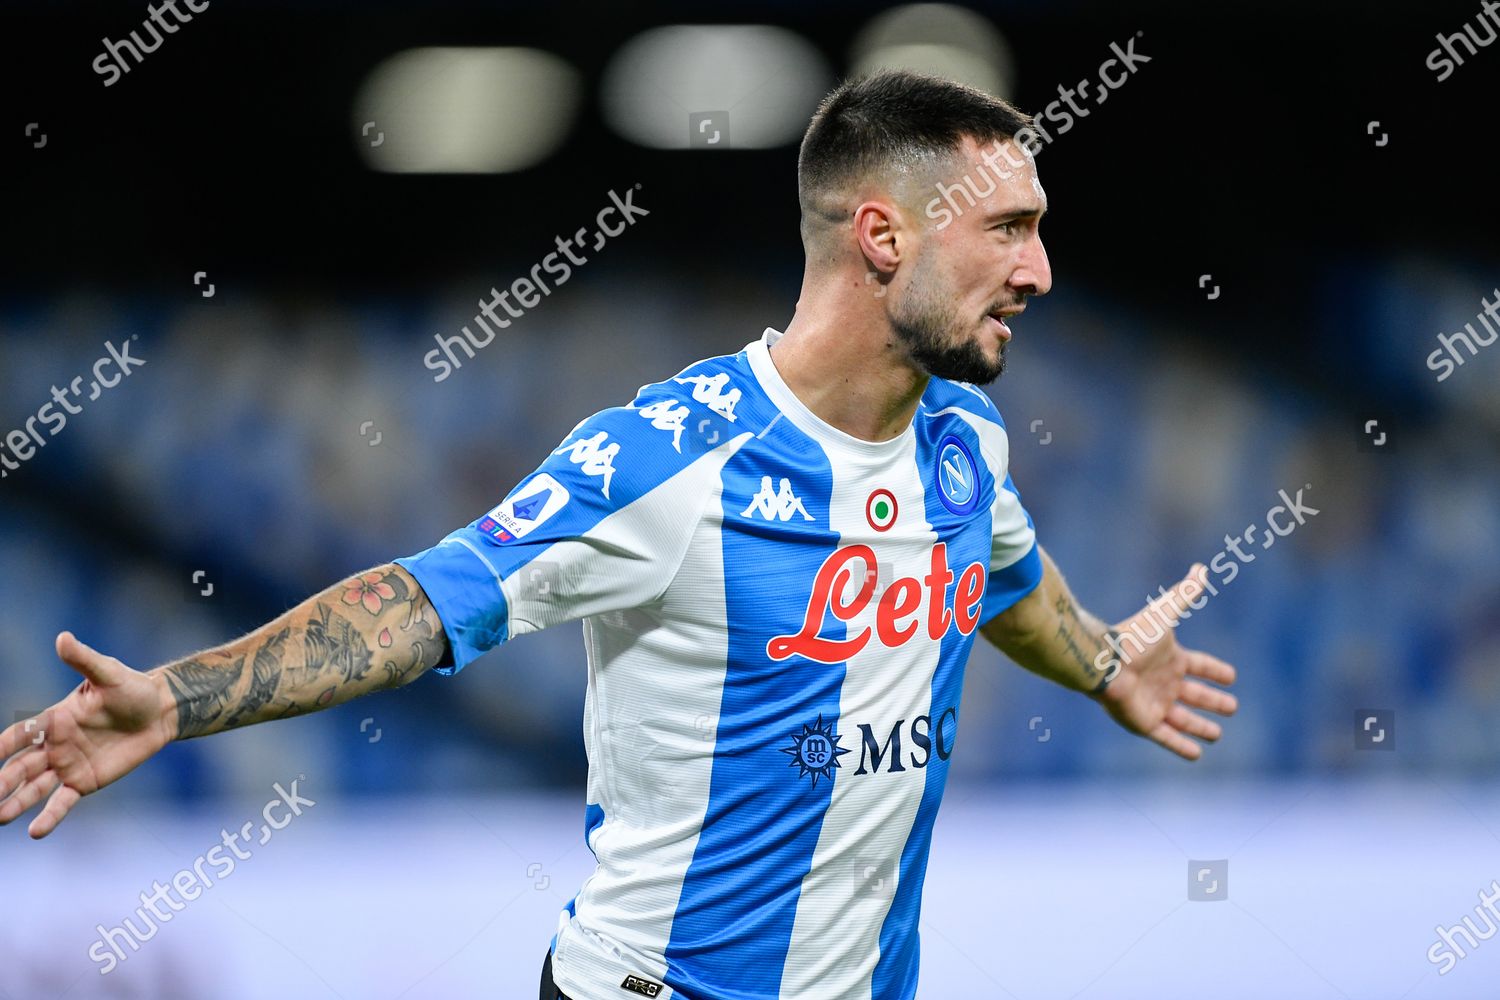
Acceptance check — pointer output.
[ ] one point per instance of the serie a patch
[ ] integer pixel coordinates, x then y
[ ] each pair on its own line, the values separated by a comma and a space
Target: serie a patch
521, 513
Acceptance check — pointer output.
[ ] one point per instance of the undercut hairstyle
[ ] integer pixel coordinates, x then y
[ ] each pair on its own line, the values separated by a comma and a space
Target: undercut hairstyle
890, 126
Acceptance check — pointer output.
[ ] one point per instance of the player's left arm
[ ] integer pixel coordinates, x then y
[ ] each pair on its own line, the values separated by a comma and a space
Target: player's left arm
1150, 688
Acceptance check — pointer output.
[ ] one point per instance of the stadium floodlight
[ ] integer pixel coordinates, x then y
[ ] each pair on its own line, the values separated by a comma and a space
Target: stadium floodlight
938, 38
465, 110
738, 86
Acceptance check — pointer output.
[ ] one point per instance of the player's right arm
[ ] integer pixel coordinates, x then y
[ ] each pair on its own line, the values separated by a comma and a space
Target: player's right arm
373, 631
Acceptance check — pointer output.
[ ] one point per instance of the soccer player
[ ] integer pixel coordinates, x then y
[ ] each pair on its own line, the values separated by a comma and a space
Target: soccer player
781, 559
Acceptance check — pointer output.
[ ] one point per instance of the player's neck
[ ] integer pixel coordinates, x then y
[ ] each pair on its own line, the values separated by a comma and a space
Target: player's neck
849, 370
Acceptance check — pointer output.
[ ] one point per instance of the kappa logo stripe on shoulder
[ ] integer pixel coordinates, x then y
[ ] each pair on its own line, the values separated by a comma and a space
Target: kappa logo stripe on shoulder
645, 442
675, 418
701, 405
593, 453
714, 391
667, 415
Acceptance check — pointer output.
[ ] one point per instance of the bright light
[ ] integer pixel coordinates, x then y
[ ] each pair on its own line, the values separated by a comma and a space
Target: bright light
940, 39
464, 110
758, 85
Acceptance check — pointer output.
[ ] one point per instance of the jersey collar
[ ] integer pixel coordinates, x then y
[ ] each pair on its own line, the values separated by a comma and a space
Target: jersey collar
775, 387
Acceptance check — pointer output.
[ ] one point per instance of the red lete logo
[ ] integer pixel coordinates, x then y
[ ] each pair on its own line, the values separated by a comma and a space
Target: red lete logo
901, 600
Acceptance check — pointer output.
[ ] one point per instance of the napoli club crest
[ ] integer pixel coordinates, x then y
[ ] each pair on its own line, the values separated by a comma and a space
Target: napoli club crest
957, 478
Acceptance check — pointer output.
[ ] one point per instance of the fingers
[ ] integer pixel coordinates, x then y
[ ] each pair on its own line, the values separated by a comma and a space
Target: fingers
30, 794
27, 733
23, 734
1173, 605
102, 670
21, 770
1190, 722
1200, 695
15, 738
62, 800
1210, 668
1168, 736
1173, 732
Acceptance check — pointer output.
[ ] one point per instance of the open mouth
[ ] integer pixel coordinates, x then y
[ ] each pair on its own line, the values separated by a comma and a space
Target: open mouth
997, 319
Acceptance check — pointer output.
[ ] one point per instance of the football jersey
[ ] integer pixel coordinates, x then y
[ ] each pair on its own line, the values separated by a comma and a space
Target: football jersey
777, 617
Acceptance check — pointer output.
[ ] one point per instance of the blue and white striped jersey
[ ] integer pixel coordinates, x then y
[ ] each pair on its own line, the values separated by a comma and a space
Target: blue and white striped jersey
777, 617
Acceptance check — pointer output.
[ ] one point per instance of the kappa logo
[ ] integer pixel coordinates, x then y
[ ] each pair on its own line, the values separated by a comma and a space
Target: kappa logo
667, 415
774, 505
595, 458
524, 510
709, 390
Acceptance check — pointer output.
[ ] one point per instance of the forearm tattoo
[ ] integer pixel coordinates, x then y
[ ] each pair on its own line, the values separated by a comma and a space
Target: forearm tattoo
203, 688
373, 631
265, 672
1081, 642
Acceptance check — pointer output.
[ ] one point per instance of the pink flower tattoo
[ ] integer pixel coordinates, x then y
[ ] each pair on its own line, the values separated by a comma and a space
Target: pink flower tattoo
369, 590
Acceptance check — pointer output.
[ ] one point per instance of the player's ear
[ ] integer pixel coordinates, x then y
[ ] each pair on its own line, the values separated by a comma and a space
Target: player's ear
875, 227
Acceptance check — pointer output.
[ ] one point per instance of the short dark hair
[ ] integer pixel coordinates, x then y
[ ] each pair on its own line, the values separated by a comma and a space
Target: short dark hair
889, 120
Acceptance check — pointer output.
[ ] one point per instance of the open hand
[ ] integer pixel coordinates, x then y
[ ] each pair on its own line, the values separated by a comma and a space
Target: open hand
1157, 688
103, 730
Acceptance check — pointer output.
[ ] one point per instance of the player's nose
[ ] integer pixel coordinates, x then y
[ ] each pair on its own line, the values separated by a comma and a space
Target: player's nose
1033, 272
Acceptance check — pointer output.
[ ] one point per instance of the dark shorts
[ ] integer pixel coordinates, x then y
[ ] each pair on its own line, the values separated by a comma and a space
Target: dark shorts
549, 988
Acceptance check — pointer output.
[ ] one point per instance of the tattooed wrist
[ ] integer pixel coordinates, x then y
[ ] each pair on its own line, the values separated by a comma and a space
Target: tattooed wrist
1111, 669
201, 688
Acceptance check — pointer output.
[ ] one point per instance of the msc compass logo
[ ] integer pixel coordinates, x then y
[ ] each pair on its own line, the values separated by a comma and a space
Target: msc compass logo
815, 751
957, 481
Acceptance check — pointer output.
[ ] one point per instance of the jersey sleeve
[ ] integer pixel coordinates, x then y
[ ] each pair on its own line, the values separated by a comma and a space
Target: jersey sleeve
1015, 559
602, 525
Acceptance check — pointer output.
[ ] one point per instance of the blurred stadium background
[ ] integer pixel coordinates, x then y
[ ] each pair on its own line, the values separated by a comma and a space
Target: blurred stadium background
285, 431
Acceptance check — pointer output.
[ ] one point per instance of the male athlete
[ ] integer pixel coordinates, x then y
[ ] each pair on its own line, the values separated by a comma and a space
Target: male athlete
780, 557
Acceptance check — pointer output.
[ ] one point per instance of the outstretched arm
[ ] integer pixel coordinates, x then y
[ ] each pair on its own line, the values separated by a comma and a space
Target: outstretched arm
1146, 685
373, 631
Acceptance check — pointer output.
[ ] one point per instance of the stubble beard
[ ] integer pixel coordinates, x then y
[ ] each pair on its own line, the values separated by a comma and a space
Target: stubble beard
932, 332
